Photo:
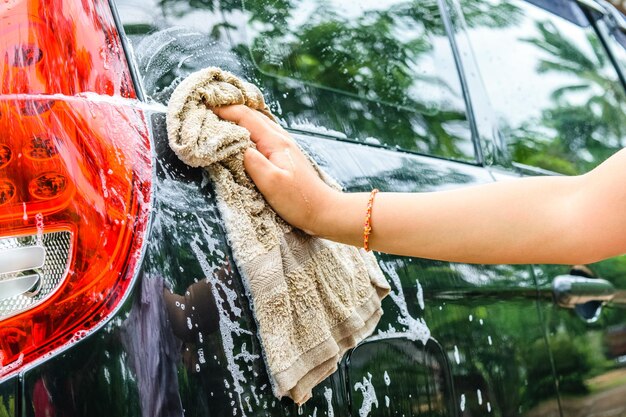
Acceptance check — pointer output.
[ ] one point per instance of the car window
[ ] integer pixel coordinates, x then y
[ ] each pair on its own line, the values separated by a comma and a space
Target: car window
616, 40
557, 97
380, 72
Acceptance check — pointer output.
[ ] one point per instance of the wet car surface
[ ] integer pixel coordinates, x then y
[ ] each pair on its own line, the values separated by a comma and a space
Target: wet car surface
384, 95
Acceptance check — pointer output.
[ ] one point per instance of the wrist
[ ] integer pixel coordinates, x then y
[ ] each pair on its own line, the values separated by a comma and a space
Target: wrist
323, 220
341, 217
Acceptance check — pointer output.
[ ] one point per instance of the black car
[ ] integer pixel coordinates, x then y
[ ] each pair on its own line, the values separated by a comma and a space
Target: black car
118, 292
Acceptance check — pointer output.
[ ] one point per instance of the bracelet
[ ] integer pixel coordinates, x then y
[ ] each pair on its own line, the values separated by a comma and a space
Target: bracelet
367, 227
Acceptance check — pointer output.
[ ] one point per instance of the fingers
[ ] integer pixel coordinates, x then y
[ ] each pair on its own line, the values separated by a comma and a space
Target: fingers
261, 170
273, 124
254, 121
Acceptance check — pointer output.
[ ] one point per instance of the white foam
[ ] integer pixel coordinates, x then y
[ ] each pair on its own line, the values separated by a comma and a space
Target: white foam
369, 395
420, 294
328, 394
415, 328
226, 303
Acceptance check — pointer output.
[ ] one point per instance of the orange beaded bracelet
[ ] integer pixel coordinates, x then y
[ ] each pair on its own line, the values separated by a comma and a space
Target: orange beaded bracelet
367, 227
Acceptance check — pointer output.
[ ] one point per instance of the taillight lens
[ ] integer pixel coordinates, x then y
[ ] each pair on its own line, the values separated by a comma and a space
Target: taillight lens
75, 175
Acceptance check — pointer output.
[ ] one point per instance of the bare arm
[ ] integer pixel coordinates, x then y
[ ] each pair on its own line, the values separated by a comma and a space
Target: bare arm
565, 220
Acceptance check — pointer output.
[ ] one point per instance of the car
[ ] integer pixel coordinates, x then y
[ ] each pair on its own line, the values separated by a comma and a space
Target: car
118, 290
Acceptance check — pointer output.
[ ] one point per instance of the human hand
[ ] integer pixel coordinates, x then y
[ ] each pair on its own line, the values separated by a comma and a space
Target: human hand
281, 172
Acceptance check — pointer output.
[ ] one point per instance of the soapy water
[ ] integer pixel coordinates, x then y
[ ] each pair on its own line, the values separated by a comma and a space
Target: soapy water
229, 329
420, 294
328, 394
414, 328
369, 395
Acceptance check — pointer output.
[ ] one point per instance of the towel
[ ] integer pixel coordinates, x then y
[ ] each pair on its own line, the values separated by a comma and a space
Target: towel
312, 299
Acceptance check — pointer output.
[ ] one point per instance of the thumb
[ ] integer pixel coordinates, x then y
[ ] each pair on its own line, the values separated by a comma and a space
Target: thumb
263, 172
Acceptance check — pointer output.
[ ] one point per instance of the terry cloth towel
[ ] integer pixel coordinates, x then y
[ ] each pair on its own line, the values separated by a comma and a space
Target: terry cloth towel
313, 299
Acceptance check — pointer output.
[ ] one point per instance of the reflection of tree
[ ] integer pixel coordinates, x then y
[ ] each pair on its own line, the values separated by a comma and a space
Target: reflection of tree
376, 57
365, 56
585, 124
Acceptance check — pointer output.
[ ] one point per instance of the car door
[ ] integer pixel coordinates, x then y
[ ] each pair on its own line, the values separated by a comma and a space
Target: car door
574, 122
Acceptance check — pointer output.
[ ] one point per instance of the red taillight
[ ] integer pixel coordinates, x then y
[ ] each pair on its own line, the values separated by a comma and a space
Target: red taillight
75, 175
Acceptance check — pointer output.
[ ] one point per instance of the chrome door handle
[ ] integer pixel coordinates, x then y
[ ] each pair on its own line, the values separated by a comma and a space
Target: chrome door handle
570, 291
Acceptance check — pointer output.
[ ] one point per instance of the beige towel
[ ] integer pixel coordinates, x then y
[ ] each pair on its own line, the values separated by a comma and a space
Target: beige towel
312, 299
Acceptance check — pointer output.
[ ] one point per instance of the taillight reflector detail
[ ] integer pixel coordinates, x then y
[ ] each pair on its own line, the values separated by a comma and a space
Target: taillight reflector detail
75, 174
7, 191
5, 155
26, 55
40, 147
48, 185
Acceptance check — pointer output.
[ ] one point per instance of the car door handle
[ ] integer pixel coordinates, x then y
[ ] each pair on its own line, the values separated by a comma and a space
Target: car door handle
570, 291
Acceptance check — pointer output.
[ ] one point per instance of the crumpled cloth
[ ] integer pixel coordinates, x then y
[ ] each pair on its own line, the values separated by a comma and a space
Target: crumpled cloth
312, 299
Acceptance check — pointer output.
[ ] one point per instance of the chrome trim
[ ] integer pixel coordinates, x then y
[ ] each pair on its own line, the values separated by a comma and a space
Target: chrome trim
19, 285
22, 259
570, 291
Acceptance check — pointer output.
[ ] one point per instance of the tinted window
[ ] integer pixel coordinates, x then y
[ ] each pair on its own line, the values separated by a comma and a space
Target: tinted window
616, 40
558, 98
379, 72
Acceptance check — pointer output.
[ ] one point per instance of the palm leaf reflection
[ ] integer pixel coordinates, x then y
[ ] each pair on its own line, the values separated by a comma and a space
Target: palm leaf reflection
585, 122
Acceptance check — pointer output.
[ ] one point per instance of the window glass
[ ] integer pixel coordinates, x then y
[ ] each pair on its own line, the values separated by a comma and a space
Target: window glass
558, 99
380, 72
384, 51
617, 42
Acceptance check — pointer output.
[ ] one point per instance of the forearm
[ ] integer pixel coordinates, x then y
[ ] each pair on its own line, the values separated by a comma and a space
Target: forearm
531, 220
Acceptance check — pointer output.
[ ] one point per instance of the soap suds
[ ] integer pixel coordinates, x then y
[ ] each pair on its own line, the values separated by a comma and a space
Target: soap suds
415, 328
328, 394
369, 395
226, 303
